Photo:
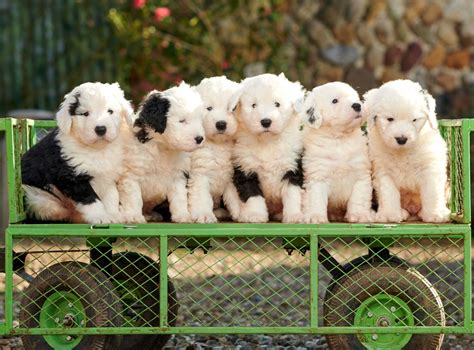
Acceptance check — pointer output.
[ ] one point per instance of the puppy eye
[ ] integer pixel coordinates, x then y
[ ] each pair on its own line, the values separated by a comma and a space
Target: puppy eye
390, 119
209, 108
414, 120
277, 104
110, 111
254, 105
85, 114
335, 101
182, 121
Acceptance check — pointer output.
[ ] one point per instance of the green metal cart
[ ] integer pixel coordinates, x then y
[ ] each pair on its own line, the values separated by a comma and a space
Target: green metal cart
374, 286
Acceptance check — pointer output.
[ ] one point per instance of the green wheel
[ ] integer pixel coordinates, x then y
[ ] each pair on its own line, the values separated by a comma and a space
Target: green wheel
70, 295
383, 295
136, 278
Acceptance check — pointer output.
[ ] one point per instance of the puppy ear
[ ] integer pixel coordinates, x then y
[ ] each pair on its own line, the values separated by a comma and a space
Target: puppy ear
313, 117
429, 108
154, 112
235, 100
298, 105
125, 106
367, 108
66, 110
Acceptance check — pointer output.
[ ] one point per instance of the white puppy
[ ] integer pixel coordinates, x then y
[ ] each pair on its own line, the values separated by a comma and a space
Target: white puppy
408, 154
168, 127
267, 153
71, 174
336, 163
211, 172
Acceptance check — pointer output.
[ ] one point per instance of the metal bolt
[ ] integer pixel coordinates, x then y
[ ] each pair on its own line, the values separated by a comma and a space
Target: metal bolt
370, 314
375, 336
56, 320
70, 304
83, 323
393, 309
384, 323
68, 338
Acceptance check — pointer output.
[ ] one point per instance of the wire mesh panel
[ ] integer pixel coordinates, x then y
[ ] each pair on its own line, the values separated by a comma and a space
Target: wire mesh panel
240, 282
421, 277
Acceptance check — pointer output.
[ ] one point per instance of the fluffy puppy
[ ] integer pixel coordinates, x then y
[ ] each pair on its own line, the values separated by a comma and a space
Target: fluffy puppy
336, 163
408, 154
210, 177
71, 174
267, 154
167, 128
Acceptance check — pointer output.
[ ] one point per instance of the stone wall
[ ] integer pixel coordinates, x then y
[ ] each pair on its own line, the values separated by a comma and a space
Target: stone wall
368, 42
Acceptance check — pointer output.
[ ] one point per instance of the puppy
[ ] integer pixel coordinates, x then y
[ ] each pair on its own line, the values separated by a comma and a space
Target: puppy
267, 154
71, 174
211, 172
336, 163
408, 154
167, 128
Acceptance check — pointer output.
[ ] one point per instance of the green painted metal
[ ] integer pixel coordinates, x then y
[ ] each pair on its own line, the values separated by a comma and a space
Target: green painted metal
66, 310
20, 135
383, 310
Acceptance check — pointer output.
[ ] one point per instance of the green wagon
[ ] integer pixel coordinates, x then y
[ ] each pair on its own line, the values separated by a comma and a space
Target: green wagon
374, 286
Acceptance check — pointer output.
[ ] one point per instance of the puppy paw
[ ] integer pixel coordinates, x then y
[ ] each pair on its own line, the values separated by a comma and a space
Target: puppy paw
204, 218
359, 217
316, 218
131, 218
437, 216
253, 217
393, 217
293, 218
181, 218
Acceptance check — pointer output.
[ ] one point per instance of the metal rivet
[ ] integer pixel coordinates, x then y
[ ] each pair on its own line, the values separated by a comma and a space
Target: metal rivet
68, 338
375, 336
83, 323
370, 314
70, 304
56, 320
393, 309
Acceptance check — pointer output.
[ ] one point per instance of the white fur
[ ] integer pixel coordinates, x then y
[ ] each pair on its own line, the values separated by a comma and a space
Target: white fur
409, 179
99, 156
211, 172
156, 169
336, 161
269, 152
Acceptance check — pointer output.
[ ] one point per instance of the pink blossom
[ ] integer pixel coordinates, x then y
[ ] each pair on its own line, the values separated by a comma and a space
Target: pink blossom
161, 13
138, 4
225, 65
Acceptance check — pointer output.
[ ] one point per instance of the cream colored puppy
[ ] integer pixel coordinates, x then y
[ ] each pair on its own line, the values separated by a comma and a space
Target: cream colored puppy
408, 154
210, 178
336, 163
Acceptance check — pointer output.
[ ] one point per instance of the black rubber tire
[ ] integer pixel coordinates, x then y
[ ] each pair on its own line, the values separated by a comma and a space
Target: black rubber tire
144, 273
368, 280
101, 303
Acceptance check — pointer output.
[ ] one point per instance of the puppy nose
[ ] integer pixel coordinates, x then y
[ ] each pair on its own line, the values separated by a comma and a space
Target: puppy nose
100, 130
221, 125
198, 139
401, 140
266, 122
356, 107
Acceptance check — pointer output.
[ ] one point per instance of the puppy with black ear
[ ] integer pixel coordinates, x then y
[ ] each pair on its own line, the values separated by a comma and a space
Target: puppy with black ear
210, 178
268, 149
71, 174
336, 163
168, 127
408, 154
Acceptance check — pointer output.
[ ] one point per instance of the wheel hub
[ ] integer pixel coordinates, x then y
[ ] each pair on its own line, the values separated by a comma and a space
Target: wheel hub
383, 310
62, 310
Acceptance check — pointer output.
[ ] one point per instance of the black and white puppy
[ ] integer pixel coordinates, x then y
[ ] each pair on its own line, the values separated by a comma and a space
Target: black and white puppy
169, 125
268, 149
70, 175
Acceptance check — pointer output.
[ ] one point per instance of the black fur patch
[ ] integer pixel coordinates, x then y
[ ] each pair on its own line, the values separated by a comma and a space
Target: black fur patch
153, 114
75, 105
310, 113
43, 166
295, 176
247, 185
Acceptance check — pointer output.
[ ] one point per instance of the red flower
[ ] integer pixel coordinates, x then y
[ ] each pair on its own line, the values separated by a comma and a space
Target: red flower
225, 65
162, 12
138, 4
